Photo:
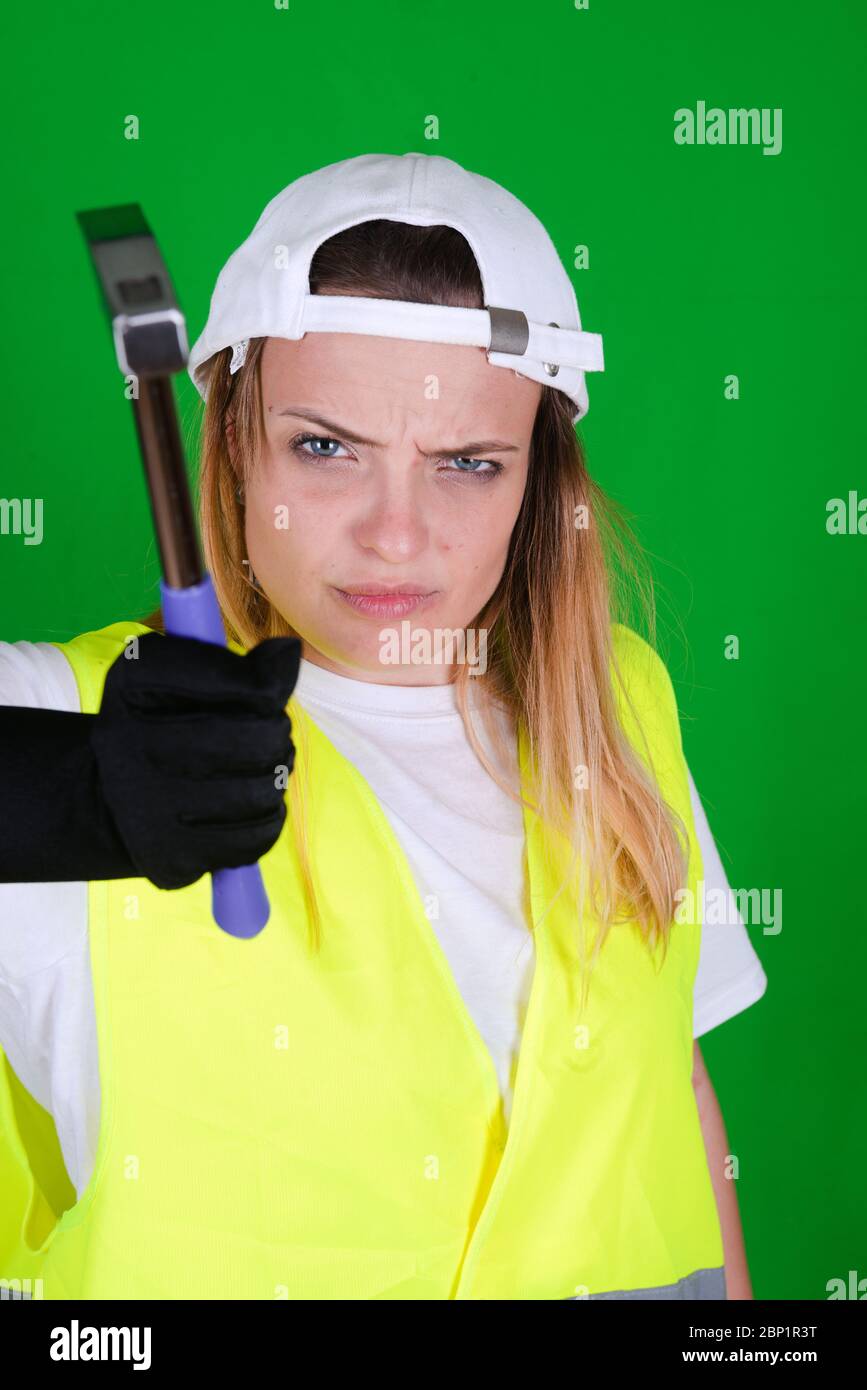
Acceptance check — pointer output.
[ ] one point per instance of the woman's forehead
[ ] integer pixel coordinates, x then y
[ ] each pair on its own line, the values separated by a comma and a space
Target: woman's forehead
359, 375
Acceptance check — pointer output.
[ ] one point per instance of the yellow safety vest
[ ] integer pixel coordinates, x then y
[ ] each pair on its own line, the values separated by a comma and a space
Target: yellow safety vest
281, 1124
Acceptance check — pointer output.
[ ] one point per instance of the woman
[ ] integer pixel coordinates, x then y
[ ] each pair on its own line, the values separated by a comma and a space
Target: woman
397, 1090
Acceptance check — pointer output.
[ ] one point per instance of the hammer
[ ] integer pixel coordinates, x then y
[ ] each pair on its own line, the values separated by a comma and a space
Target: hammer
150, 340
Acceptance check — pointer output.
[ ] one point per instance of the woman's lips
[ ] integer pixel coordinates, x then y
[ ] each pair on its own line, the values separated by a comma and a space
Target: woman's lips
387, 605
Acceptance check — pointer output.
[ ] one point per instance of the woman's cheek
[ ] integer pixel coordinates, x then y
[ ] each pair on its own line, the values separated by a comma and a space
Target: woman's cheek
280, 519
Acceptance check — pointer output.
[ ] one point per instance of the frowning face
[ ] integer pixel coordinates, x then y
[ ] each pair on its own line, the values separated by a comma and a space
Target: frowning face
388, 465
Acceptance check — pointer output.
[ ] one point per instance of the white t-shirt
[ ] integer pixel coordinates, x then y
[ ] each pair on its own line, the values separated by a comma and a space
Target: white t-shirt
463, 838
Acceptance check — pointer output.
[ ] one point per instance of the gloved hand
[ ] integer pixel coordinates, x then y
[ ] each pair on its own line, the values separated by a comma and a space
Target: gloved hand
176, 776
190, 743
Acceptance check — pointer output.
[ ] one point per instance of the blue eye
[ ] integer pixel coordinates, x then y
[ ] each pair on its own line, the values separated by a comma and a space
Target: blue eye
474, 472
303, 439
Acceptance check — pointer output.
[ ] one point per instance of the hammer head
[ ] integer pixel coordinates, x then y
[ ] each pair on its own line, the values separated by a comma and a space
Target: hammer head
150, 332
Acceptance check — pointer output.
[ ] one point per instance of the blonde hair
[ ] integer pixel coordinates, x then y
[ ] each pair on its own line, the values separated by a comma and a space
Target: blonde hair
549, 642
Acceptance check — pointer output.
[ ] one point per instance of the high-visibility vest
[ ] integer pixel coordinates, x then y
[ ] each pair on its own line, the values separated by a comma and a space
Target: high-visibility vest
278, 1123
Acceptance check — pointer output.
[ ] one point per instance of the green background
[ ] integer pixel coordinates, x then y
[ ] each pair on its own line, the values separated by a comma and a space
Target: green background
704, 261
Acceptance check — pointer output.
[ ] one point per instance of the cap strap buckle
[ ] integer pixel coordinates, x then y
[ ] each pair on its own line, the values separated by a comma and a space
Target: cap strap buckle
510, 331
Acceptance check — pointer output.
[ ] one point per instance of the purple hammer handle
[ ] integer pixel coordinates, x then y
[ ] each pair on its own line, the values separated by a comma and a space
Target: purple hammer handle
240, 903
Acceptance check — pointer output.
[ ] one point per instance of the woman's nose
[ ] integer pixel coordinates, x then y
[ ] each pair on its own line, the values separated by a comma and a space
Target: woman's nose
394, 518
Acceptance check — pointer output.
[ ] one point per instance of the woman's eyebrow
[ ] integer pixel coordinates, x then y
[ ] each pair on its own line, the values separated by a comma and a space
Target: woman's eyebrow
478, 446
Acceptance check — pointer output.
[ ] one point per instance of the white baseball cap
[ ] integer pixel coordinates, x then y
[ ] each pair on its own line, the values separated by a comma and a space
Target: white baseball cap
530, 322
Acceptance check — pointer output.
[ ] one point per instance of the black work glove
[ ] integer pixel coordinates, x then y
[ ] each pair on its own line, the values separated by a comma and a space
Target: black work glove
193, 748
176, 776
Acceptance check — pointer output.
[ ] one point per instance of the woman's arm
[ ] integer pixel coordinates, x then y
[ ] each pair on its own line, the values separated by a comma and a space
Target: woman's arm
717, 1149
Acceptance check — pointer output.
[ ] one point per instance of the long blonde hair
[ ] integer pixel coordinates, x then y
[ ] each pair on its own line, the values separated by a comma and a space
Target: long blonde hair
549, 645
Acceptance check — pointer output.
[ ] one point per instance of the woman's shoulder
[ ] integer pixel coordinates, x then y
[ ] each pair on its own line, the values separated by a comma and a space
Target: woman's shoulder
636, 657
49, 674
103, 644
642, 683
